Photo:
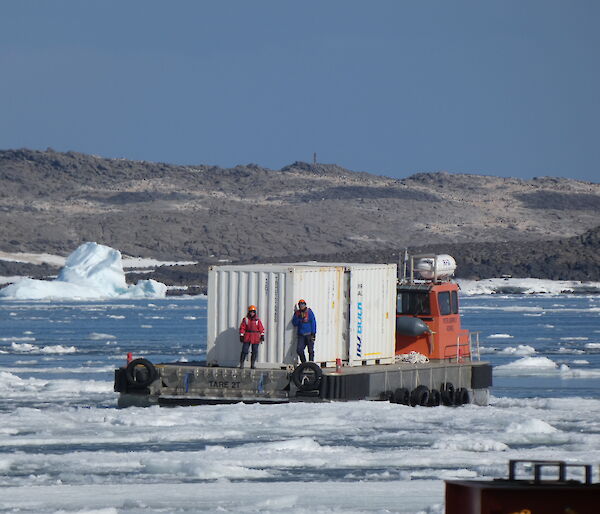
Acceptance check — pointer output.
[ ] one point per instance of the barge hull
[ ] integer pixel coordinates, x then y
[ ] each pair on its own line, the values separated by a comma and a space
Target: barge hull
372, 383
198, 384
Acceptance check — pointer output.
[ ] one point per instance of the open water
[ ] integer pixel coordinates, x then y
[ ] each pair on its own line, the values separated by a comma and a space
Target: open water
65, 447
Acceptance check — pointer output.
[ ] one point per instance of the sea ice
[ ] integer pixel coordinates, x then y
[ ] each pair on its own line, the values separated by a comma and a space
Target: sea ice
527, 366
522, 349
22, 347
67, 448
92, 271
58, 349
531, 426
97, 336
575, 351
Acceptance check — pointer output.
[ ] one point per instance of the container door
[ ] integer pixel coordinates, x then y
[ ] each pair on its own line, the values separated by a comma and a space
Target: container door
372, 315
323, 290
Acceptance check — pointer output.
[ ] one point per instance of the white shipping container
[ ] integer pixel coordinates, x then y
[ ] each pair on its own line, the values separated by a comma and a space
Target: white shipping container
354, 305
372, 334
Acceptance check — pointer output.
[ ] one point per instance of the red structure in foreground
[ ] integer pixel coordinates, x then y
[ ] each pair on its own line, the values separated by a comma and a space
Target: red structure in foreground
526, 496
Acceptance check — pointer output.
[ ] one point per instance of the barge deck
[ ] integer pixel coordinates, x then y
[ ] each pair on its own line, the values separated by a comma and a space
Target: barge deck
429, 384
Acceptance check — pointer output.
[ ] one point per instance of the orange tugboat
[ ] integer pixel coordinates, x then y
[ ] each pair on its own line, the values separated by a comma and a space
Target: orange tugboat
428, 320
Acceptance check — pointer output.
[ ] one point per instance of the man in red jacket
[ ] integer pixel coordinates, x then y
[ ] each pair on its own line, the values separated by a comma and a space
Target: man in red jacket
252, 333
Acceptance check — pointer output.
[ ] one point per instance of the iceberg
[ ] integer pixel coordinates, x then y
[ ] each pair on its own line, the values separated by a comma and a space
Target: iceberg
91, 272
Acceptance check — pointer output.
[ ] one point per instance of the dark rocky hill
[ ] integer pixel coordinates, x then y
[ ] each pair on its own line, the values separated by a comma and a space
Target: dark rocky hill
52, 202
574, 258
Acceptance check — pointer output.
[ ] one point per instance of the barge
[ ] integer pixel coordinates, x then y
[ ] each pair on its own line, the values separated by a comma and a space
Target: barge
380, 337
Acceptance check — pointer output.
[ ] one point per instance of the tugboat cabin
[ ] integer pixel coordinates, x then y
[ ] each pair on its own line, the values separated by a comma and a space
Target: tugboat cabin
427, 312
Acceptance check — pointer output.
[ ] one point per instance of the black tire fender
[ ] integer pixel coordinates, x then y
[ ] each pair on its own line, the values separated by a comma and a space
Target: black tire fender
401, 396
435, 398
132, 377
447, 393
419, 396
307, 376
461, 396
386, 396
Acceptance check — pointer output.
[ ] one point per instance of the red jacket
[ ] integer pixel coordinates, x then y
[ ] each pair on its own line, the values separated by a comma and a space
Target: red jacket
252, 329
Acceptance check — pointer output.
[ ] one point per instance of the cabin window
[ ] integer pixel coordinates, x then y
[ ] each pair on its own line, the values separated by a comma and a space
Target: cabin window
414, 303
444, 303
454, 302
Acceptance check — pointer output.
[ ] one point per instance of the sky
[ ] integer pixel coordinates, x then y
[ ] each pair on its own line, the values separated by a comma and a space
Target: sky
505, 88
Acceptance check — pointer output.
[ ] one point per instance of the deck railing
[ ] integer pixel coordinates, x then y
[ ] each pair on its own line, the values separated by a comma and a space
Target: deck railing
469, 344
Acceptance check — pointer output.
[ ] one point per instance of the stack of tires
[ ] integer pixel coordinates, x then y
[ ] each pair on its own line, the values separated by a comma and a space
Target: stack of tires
425, 397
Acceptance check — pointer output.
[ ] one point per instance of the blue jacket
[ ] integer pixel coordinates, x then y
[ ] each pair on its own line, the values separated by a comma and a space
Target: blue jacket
306, 324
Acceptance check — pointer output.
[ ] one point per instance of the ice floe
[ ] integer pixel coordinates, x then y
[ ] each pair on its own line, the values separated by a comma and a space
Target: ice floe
92, 271
537, 366
31, 348
574, 351
97, 336
522, 349
527, 366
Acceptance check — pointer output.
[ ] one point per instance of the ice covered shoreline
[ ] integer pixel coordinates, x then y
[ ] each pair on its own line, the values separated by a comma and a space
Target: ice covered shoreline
28, 288
526, 286
59, 260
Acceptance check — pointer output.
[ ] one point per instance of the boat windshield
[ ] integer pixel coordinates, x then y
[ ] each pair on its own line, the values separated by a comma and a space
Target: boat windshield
414, 302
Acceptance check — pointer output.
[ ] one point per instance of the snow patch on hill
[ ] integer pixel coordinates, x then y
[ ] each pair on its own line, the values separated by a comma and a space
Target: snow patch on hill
527, 286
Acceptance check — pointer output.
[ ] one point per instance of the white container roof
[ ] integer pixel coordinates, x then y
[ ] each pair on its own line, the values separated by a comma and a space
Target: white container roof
273, 267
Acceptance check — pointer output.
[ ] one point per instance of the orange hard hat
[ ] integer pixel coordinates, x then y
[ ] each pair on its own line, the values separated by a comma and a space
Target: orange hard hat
301, 301
252, 308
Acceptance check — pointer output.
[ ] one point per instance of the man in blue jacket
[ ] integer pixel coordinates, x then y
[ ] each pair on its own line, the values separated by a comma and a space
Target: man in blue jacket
304, 320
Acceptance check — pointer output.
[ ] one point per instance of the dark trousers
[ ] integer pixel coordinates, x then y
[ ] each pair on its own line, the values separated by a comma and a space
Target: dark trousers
304, 341
244, 354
